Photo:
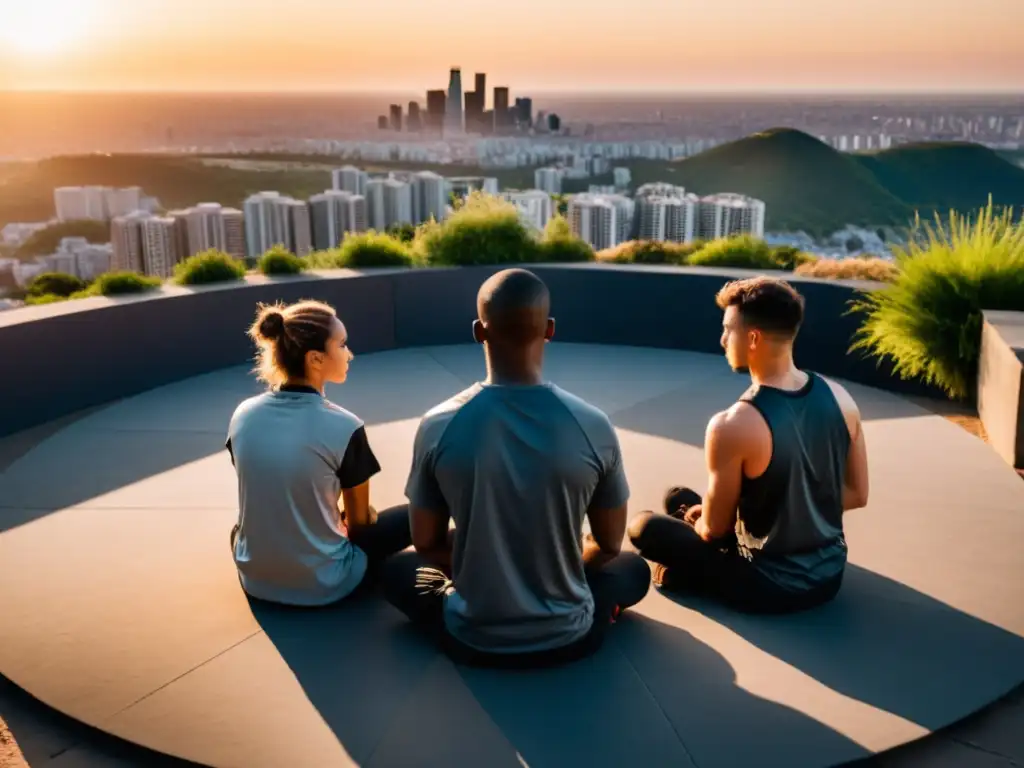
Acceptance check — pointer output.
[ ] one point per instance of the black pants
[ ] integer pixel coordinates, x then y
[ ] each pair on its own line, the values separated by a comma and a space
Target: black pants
716, 569
419, 590
390, 534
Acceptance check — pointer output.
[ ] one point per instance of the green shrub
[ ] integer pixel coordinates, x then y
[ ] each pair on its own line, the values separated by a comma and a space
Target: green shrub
364, 250
649, 252
742, 252
55, 283
280, 261
120, 283
484, 230
561, 246
928, 320
210, 266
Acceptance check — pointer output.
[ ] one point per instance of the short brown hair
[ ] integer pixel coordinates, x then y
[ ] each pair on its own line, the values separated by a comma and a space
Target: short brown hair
767, 303
285, 334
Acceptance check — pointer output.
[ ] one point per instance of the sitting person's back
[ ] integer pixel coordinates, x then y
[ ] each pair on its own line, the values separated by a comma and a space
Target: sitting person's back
296, 454
518, 464
790, 517
784, 463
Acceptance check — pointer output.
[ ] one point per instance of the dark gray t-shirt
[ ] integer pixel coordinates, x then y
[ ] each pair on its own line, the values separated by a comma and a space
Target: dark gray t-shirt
517, 467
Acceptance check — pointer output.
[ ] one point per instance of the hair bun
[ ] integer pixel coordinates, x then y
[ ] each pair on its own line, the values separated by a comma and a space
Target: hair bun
272, 325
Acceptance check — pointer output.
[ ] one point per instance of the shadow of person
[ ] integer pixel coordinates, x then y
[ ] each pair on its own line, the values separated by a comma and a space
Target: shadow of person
889, 646
653, 695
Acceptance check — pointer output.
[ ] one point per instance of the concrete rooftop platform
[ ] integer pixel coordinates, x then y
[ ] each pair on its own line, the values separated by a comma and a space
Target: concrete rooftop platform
121, 608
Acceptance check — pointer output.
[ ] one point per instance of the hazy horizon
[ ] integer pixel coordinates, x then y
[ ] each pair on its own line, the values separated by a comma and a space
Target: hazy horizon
405, 47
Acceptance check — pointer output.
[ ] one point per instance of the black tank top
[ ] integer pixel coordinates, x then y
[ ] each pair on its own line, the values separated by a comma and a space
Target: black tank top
790, 518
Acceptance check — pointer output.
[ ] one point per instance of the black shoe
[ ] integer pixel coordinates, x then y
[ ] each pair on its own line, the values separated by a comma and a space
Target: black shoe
678, 500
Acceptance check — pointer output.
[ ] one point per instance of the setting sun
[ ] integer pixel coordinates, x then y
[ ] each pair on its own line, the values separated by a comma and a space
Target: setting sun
45, 27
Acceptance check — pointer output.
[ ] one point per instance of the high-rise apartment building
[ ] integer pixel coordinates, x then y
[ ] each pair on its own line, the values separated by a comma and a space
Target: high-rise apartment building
95, 203
375, 214
667, 219
453, 112
127, 242
397, 203
349, 179
535, 207
429, 197
413, 123
548, 180
274, 219
396, 117
234, 232
159, 246
333, 214
205, 225
728, 214
593, 219
299, 234
79, 203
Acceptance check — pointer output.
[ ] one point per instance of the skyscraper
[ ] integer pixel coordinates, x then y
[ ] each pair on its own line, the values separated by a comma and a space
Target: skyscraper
273, 219
727, 214
437, 102
396, 117
593, 219
453, 112
500, 107
205, 223
413, 122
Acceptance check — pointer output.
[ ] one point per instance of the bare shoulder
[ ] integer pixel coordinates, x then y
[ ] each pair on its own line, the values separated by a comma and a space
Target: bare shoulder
849, 407
739, 424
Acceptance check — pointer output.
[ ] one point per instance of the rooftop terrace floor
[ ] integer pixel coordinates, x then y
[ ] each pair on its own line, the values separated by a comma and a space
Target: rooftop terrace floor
121, 608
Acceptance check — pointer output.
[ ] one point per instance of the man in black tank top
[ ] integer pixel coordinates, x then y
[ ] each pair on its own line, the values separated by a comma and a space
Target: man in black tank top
784, 463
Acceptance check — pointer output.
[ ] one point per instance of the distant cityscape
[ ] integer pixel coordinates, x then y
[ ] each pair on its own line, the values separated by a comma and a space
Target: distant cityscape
145, 240
453, 113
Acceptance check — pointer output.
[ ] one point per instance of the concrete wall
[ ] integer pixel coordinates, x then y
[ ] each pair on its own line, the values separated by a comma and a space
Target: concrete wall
61, 358
1001, 384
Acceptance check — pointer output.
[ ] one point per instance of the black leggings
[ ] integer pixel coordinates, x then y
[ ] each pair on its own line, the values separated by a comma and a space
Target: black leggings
418, 590
390, 534
718, 568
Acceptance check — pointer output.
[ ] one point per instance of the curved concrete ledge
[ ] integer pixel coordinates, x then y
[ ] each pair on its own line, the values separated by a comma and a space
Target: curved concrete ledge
81, 354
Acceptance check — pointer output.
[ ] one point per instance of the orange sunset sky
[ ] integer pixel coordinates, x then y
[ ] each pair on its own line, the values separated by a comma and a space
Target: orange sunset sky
536, 45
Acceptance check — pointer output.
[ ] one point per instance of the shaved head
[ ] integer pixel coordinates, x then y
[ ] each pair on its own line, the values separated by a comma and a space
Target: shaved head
513, 305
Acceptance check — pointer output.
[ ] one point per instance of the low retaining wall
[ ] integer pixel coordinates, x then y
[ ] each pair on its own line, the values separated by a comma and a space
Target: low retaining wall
1001, 384
61, 358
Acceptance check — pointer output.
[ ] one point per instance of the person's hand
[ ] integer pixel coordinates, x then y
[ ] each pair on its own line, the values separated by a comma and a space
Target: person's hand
693, 514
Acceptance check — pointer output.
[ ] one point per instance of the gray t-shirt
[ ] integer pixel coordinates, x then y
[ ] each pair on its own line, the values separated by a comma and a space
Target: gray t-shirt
293, 452
517, 467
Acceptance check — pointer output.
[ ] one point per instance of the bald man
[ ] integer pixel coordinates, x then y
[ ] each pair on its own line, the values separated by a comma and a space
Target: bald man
517, 463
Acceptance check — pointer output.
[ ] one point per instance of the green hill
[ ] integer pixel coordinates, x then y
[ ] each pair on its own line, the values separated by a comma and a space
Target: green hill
804, 183
939, 176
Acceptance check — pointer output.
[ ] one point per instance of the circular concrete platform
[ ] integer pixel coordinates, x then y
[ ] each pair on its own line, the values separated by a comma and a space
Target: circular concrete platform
121, 607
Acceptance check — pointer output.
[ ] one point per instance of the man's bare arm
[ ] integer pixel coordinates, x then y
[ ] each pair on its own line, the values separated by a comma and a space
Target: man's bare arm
856, 483
430, 537
607, 527
723, 450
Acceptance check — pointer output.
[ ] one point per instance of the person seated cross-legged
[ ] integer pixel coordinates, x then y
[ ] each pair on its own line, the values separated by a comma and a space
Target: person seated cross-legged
297, 455
784, 463
518, 464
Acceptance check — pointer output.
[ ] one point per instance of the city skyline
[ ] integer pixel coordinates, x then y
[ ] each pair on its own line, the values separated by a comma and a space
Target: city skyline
872, 46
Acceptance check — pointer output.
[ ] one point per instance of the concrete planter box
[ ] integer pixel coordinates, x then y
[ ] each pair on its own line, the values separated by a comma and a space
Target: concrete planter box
1001, 384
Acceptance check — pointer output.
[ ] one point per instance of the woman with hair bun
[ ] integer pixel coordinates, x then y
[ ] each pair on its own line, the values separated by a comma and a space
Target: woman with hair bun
295, 453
